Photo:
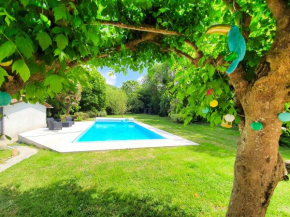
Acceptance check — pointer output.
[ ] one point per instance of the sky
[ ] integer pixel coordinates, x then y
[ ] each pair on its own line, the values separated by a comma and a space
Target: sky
118, 78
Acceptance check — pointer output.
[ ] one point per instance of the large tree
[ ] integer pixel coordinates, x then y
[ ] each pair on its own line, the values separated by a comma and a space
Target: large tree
45, 39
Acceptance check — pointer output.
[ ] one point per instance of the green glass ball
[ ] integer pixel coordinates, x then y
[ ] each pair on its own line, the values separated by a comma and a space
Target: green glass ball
257, 125
5, 99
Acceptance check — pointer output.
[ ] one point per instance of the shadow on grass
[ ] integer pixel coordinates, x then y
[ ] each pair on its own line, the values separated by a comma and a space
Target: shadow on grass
212, 150
67, 198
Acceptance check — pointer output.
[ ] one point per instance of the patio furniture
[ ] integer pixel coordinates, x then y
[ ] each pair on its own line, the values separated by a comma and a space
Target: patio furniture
54, 125
67, 124
51, 119
70, 119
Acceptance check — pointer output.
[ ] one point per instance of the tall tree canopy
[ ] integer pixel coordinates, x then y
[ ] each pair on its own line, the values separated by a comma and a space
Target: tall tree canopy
94, 92
46, 39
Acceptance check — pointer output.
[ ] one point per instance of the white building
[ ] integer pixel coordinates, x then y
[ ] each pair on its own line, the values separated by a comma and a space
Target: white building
19, 117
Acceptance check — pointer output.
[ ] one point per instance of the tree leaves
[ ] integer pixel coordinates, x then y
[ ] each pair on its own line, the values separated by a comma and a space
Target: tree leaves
44, 40
94, 37
24, 2
61, 41
3, 73
6, 50
55, 83
25, 46
60, 12
22, 69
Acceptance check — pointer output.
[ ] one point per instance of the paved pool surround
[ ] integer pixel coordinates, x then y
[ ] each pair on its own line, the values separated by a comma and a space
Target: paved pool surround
62, 140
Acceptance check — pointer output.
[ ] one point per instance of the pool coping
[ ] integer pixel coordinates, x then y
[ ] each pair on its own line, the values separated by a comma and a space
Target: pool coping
62, 141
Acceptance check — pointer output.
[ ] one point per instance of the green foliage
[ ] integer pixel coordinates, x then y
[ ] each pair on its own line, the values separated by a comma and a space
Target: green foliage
177, 118
80, 116
94, 91
132, 89
44, 40
3, 74
61, 41
93, 114
6, 50
25, 46
22, 69
57, 33
155, 88
116, 100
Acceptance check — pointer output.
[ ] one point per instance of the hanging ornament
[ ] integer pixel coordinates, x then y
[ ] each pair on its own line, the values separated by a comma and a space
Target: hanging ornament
257, 125
226, 124
205, 110
8, 63
209, 92
229, 118
5, 99
284, 117
214, 103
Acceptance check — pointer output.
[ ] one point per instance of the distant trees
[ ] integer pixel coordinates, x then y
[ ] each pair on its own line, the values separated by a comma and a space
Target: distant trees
153, 93
132, 89
116, 100
94, 92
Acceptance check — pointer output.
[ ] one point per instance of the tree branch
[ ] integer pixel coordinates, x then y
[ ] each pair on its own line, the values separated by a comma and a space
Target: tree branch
137, 28
198, 53
151, 29
178, 52
131, 45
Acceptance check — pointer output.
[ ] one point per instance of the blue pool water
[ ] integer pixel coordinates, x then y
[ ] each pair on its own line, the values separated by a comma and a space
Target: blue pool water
112, 131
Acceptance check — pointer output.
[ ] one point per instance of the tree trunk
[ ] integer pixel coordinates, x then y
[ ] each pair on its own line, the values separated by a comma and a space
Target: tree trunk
259, 166
67, 108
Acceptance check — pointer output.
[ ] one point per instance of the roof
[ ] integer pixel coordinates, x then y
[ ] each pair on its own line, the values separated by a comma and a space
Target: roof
14, 101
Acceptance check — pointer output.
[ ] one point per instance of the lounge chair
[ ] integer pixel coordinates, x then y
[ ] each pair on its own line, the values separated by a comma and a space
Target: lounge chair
67, 124
54, 125
51, 119
67, 119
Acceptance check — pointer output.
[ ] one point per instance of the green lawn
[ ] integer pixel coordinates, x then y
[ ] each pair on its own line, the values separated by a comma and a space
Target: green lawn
4, 155
182, 181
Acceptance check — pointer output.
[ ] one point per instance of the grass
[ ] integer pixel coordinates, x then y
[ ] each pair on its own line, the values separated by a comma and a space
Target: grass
4, 155
177, 181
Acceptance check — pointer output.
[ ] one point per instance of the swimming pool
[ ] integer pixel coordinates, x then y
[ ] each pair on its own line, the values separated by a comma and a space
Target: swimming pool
115, 131
66, 140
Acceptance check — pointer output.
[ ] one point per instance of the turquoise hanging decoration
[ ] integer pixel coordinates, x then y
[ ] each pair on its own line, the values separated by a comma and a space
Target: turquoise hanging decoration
205, 110
5, 99
284, 117
237, 47
257, 125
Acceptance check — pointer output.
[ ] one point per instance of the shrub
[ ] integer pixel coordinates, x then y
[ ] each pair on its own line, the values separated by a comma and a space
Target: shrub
176, 118
93, 114
80, 116
101, 114
62, 117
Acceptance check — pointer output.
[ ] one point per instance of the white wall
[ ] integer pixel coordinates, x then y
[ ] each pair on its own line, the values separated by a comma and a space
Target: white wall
22, 117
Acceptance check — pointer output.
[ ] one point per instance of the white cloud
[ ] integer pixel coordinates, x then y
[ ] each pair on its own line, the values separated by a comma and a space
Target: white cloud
141, 79
112, 80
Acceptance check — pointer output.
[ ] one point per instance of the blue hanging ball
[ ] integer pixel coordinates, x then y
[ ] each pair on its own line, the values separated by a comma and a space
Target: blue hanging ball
284, 117
5, 99
205, 110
